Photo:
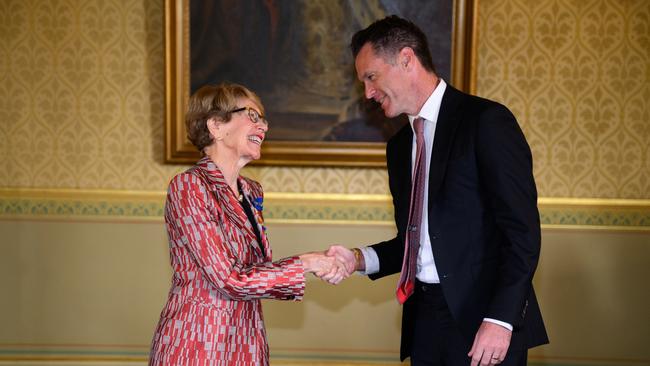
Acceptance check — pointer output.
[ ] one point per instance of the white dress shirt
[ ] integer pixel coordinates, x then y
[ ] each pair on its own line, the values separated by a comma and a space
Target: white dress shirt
426, 267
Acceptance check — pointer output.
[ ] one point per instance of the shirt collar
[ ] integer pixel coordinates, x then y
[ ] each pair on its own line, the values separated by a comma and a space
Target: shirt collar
431, 107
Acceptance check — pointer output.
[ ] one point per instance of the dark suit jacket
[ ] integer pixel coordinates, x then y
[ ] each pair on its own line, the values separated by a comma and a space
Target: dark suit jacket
483, 219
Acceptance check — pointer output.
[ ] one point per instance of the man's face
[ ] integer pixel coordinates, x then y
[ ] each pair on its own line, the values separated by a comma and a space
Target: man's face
387, 84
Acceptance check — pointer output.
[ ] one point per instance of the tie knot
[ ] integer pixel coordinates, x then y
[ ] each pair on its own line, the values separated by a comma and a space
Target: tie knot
418, 126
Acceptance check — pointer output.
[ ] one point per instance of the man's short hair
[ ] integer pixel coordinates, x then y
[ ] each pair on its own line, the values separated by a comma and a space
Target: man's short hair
389, 35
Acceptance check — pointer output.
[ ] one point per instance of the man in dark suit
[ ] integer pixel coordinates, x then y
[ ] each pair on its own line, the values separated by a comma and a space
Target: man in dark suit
478, 232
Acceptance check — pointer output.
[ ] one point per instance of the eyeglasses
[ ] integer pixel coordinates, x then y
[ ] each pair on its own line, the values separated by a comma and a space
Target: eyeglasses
253, 114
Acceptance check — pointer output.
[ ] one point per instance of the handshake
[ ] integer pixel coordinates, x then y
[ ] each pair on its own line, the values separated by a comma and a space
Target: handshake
333, 265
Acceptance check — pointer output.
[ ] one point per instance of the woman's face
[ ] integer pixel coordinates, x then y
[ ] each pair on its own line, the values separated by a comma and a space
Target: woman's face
242, 136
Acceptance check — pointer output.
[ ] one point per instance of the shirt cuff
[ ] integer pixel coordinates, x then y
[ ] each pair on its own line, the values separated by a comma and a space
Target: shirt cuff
499, 322
371, 260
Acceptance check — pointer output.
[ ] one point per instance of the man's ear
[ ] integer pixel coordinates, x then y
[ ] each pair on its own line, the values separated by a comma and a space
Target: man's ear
406, 57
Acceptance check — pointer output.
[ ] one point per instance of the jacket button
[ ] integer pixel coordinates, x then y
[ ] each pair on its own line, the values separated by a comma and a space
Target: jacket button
434, 237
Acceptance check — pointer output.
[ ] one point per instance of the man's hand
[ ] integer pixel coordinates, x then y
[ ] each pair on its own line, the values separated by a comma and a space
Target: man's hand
490, 344
325, 267
345, 256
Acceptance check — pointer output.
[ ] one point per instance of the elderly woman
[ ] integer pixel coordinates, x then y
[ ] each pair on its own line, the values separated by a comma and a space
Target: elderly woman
219, 250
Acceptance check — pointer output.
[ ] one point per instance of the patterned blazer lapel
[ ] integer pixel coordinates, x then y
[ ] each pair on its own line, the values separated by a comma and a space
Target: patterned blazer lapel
253, 195
234, 214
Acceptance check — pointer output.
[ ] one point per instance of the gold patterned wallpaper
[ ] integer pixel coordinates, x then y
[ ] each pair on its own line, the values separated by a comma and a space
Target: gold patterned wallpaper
81, 97
577, 76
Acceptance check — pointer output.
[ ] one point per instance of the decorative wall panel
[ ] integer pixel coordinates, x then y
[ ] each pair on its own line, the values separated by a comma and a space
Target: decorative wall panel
577, 76
81, 97
305, 208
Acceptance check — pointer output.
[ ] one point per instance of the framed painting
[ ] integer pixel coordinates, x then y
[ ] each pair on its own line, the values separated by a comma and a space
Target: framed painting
295, 55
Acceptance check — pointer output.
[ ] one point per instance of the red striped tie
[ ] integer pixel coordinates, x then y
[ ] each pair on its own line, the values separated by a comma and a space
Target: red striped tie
412, 244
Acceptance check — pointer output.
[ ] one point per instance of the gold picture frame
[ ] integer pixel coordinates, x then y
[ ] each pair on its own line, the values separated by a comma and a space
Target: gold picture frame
178, 149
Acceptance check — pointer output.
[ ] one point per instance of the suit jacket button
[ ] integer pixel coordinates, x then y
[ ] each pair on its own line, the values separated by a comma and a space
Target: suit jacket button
434, 237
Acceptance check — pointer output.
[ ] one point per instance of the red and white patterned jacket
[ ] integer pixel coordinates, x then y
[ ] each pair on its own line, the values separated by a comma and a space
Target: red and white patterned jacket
213, 314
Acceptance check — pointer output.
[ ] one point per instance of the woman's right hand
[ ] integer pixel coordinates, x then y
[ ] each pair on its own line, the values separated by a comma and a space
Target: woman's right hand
326, 268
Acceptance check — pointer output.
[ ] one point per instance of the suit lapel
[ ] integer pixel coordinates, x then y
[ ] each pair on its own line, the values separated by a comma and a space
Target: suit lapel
446, 127
405, 153
399, 172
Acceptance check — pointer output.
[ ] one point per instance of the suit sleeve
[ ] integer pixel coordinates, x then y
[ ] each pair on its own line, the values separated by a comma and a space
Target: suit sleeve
506, 174
391, 252
194, 227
